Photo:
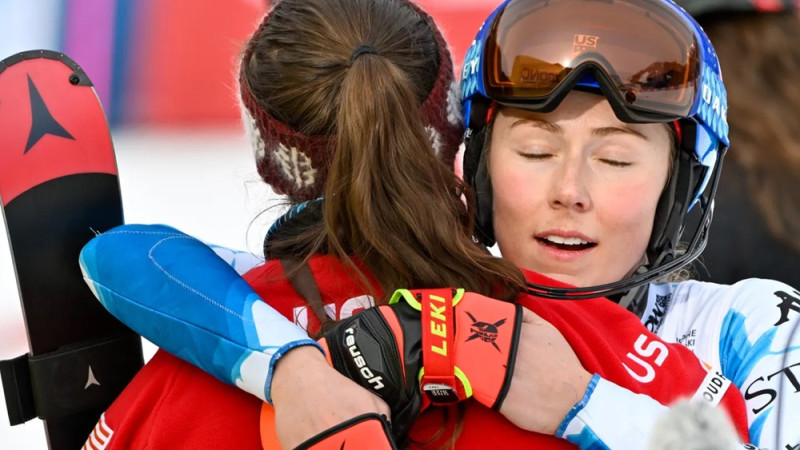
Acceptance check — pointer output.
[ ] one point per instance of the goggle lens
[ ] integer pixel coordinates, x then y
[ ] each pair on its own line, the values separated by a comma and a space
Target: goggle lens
653, 63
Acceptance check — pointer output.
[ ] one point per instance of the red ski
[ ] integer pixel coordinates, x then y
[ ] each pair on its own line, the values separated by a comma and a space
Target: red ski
59, 186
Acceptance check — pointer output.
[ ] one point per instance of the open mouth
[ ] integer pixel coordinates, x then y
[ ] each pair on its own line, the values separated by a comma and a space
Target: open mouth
566, 243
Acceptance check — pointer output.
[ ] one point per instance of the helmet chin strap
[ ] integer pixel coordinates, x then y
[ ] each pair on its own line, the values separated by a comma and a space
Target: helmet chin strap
476, 173
634, 299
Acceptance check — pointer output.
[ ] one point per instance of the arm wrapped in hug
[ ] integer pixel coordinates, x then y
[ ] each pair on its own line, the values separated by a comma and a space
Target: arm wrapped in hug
176, 292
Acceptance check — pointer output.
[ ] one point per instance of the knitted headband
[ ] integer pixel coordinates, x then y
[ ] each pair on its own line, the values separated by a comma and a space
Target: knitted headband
296, 164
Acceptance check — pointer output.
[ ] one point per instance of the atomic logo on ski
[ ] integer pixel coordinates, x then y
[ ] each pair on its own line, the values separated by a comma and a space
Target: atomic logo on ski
42, 122
91, 380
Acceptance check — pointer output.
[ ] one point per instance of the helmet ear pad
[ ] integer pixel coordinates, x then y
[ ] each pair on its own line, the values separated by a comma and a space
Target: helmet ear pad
476, 172
684, 181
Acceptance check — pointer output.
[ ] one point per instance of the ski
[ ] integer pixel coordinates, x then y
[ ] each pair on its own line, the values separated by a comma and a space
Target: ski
58, 187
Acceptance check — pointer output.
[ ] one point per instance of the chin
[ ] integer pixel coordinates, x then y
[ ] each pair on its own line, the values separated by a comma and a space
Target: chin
580, 281
572, 280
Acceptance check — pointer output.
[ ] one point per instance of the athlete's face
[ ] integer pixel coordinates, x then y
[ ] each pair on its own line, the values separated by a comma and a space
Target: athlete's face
575, 190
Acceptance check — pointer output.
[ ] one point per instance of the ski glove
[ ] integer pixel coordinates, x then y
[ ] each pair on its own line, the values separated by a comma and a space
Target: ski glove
469, 344
449, 344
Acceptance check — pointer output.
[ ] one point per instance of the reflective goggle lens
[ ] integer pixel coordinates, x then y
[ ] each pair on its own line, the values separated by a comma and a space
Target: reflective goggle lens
647, 51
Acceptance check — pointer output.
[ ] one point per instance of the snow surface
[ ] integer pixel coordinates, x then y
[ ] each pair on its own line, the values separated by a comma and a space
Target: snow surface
199, 181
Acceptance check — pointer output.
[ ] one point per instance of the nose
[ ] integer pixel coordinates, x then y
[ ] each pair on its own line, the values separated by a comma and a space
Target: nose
569, 186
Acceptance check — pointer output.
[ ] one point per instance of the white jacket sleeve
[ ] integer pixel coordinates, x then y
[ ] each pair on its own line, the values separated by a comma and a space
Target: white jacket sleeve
751, 330
612, 417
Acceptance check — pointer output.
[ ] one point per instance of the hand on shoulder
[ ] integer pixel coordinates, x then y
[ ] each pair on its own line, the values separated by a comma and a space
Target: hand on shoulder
548, 378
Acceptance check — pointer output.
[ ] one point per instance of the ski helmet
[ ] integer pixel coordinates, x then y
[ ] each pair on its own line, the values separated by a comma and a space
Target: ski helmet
652, 62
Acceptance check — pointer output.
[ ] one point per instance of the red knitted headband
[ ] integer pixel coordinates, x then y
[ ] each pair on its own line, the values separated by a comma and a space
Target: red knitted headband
296, 164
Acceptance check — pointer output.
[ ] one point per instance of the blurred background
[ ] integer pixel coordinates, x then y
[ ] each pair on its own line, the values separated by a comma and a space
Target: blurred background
168, 63
164, 71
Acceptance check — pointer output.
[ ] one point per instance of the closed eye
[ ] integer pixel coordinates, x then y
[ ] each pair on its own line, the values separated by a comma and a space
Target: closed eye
536, 156
615, 163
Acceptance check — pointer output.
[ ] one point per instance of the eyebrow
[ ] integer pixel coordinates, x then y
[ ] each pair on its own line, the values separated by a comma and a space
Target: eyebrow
554, 128
607, 131
543, 124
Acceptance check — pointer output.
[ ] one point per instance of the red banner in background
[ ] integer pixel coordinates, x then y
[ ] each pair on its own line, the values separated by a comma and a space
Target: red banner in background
184, 65
459, 21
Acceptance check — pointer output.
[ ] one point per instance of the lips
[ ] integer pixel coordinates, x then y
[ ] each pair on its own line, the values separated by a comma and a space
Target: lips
566, 243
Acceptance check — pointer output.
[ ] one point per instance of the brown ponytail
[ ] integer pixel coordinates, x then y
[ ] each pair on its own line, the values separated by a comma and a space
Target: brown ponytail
388, 200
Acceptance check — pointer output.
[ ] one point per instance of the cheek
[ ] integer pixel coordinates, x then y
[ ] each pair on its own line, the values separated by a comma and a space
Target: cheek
509, 184
515, 194
631, 210
631, 199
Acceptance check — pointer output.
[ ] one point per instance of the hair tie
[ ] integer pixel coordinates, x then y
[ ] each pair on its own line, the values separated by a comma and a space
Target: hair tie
362, 49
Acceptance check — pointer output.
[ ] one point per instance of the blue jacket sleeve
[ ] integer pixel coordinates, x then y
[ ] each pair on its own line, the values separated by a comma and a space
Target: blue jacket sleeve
176, 292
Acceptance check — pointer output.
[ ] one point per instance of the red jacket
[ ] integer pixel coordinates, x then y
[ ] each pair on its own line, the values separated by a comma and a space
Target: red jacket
172, 404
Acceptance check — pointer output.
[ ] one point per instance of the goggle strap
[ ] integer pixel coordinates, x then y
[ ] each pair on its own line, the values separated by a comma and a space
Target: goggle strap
490, 112
678, 132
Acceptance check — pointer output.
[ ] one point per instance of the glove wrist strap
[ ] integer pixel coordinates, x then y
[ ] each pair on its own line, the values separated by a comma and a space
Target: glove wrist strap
440, 379
369, 430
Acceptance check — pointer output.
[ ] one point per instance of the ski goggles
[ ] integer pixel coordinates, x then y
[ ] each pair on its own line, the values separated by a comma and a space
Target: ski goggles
651, 59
